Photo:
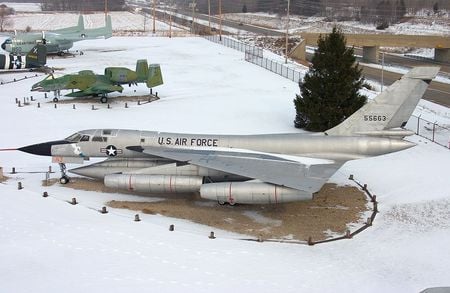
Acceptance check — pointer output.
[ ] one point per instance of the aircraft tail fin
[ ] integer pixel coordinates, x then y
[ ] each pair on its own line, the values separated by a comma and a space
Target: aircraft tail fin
391, 108
94, 33
108, 27
73, 29
154, 76
142, 70
80, 24
37, 57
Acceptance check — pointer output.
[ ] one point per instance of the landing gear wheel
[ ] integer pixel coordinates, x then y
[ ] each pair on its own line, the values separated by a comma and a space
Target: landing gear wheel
64, 180
103, 100
55, 100
232, 203
221, 202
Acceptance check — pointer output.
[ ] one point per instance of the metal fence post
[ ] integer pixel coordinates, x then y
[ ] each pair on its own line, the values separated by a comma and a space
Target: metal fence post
434, 130
418, 122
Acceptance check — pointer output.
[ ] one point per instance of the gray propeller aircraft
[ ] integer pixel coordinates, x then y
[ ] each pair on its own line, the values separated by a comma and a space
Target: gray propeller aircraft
36, 58
90, 84
57, 41
248, 169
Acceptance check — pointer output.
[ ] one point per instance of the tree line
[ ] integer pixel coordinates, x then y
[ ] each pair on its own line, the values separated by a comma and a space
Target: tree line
83, 5
369, 11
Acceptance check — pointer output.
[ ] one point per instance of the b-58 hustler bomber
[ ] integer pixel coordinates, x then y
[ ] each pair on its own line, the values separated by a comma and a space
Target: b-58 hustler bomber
90, 84
248, 169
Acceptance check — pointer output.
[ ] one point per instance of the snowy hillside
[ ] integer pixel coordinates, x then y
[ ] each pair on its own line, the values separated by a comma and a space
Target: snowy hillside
58, 247
48, 245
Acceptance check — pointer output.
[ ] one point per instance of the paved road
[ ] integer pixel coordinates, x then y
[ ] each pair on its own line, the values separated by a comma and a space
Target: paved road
437, 92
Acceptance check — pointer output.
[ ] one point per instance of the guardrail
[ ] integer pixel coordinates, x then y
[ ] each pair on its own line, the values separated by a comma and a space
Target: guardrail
432, 131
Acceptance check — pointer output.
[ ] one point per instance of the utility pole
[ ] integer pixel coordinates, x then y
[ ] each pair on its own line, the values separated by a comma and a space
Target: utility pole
154, 20
193, 4
209, 15
287, 32
170, 23
382, 70
106, 10
145, 19
220, 20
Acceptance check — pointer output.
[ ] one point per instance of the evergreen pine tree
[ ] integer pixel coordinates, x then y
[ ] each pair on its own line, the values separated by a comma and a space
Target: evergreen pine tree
329, 92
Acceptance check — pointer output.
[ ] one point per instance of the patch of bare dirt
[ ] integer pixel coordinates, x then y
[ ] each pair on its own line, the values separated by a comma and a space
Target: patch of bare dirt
331, 209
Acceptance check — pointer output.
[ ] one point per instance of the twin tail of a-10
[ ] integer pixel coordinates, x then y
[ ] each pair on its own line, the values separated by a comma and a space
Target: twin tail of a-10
90, 84
248, 169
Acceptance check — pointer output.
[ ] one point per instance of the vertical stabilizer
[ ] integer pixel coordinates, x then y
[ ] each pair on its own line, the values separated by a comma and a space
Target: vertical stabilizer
154, 76
37, 57
142, 70
73, 29
391, 108
93, 33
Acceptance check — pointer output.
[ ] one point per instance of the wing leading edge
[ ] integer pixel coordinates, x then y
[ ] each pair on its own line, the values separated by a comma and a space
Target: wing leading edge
305, 174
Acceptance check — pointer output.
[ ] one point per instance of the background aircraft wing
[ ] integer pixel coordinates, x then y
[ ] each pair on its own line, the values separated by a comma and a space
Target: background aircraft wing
301, 173
101, 88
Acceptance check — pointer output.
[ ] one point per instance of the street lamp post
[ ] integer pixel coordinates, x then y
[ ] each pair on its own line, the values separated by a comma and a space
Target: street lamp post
382, 70
287, 32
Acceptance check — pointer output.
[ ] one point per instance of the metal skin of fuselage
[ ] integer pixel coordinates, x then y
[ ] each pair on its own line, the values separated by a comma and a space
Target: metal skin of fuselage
36, 58
128, 168
55, 41
90, 84
273, 167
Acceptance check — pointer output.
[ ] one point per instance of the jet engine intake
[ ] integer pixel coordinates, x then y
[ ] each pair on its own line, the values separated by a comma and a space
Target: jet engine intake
253, 192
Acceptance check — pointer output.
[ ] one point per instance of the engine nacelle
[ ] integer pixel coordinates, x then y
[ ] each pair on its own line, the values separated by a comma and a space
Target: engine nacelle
252, 193
120, 75
154, 183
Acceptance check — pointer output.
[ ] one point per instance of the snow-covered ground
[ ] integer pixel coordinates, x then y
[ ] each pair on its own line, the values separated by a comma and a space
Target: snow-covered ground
121, 21
208, 89
48, 245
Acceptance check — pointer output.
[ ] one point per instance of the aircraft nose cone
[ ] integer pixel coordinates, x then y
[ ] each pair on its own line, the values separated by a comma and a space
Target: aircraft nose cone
4, 46
42, 149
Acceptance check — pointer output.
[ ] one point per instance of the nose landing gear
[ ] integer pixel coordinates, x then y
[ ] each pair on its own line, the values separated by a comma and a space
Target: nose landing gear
64, 178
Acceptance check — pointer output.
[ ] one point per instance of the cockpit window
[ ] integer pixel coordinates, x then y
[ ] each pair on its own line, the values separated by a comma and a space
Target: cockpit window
85, 138
74, 137
107, 131
8, 41
99, 138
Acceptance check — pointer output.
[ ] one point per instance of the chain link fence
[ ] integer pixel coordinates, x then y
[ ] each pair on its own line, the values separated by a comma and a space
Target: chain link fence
255, 55
438, 134
430, 130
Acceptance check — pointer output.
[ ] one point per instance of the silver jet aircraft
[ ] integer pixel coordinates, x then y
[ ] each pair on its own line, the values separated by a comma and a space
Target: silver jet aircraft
249, 169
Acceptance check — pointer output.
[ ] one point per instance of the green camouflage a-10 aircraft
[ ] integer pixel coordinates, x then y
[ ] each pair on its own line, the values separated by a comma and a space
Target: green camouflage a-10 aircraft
90, 84
56, 41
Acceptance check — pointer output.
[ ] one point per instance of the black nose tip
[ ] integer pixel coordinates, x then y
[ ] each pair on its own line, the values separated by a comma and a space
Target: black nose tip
42, 149
4, 46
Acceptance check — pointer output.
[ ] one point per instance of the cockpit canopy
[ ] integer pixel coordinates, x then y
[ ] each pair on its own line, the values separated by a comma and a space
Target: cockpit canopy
98, 135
